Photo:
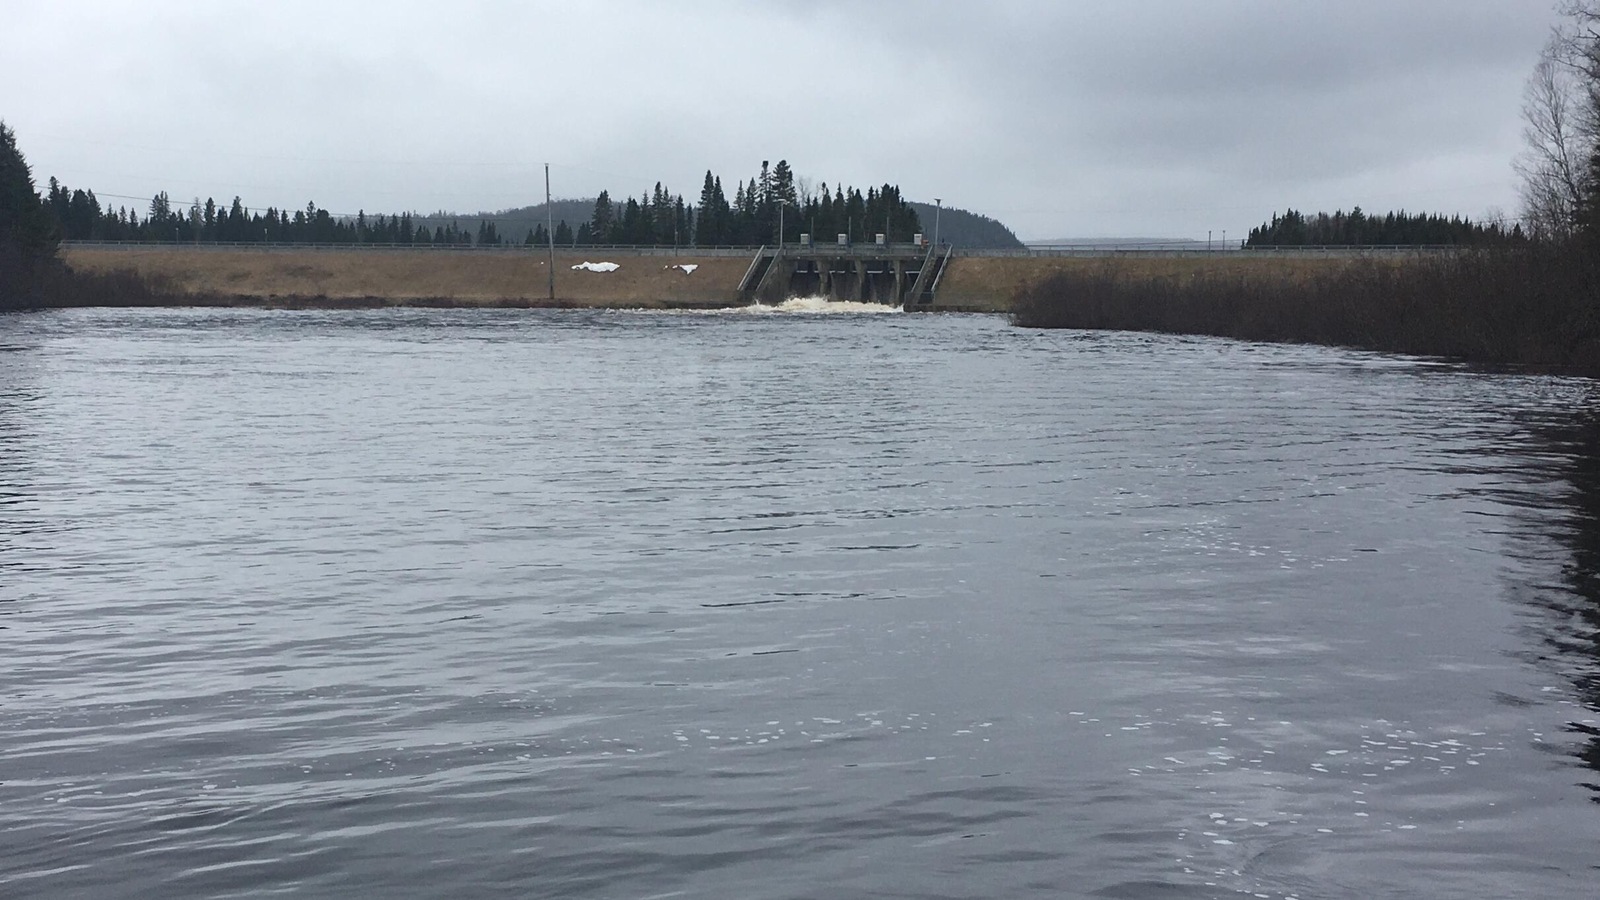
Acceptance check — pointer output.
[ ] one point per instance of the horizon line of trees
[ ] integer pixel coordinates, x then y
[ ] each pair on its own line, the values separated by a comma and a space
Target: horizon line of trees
772, 199
79, 216
1356, 228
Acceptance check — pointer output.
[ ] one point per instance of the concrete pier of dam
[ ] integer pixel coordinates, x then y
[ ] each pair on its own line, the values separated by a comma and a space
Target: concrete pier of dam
919, 278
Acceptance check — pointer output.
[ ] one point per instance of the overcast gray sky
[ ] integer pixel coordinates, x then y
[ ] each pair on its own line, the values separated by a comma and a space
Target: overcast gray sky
1069, 118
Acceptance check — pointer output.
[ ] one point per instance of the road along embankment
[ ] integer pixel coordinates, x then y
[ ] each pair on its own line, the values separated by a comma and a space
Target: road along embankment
503, 278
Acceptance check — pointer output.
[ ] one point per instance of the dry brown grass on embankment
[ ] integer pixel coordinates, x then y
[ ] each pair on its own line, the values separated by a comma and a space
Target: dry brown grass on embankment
435, 278
992, 283
1537, 307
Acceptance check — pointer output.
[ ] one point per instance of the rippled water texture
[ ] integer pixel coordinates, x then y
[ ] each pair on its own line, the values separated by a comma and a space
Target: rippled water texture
562, 604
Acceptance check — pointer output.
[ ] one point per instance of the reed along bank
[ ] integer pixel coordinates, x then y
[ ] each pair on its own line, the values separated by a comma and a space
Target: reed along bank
1534, 306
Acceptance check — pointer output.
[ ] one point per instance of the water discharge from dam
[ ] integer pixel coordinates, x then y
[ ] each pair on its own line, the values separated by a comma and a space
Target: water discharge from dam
819, 305
410, 603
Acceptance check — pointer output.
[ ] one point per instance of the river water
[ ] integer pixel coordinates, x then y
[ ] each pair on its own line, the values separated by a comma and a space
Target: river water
596, 604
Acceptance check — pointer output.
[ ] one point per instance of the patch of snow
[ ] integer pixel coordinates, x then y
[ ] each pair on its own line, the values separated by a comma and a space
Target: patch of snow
688, 268
596, 267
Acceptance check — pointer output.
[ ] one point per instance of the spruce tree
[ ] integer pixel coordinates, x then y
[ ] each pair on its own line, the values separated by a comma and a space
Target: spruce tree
28, 237
706, 235
604, 218
783, 183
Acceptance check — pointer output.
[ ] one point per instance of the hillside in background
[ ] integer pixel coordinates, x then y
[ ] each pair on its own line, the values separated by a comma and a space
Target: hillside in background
956, 226
513, 225
966, 229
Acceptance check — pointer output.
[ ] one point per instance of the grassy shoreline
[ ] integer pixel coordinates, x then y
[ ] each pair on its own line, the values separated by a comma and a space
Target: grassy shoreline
64, 288
334, 279
1530, 307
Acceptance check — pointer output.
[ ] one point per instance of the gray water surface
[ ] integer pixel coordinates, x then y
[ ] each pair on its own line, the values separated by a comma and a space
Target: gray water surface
566, 604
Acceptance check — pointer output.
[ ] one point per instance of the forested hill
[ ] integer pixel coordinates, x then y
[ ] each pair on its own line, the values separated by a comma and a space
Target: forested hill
513, 225
967, 229
956, 226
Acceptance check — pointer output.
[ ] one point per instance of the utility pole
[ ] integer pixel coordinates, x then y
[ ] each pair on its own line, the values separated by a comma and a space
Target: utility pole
549, 230
938, 207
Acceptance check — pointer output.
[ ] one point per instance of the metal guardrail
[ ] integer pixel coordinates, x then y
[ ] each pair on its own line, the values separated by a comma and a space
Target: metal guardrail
284, 246
1237, 252
838, 251
944, 264
744, 283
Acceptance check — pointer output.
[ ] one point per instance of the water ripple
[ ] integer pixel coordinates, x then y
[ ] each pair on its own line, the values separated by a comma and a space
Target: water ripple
518, 603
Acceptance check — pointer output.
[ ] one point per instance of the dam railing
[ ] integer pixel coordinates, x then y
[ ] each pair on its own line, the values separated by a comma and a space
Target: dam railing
838, 251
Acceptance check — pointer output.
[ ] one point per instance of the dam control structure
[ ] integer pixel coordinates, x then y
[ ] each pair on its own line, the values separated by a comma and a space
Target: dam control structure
894, 274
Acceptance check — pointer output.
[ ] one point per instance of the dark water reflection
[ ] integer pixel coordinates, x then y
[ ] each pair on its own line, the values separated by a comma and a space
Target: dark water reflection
412, 603
1564, 538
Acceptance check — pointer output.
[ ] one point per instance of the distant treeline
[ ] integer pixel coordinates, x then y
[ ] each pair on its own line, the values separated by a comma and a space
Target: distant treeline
1356, 228
659, 218
771, 200
79, 216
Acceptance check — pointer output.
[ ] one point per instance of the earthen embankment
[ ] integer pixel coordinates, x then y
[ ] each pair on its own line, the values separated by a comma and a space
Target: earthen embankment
334, 277
291, 277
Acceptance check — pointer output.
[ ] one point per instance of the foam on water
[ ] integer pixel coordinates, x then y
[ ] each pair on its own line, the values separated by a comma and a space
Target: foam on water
818, 305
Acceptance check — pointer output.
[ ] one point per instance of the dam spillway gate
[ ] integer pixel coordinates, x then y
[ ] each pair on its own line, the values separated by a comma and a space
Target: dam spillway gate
905, 275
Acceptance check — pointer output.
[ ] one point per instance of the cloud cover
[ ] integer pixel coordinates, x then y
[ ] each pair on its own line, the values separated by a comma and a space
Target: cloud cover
1160, 118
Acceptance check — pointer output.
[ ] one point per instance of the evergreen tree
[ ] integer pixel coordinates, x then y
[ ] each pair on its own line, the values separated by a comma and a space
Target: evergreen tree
635, 228
783, 189
707, 233
28, 237
604, 218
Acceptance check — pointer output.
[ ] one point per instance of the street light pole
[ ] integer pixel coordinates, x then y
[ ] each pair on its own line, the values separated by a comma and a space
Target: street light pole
938, 207
549, 229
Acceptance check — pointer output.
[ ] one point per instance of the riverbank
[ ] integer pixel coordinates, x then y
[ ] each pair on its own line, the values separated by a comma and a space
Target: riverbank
334, 278
993, 284
355, 279
1531, 307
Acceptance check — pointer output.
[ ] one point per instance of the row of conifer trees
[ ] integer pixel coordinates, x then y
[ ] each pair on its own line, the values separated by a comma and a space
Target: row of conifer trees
769, 201
1356, 228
